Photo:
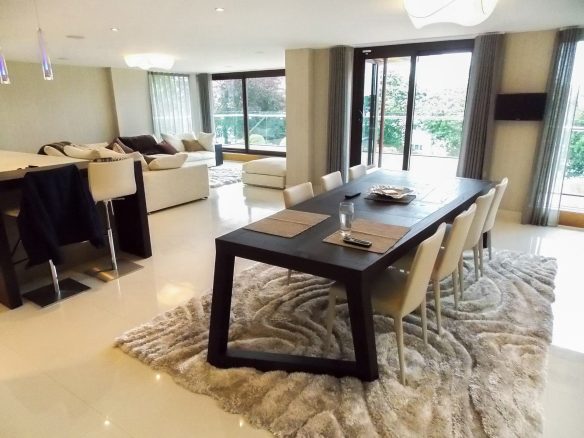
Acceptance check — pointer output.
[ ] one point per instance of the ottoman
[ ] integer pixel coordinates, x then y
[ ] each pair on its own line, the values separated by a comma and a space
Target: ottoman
267, 172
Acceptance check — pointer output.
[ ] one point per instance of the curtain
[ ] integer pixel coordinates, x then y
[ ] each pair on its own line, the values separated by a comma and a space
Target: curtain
206, 100
170, 97
543, 205
341, 68
477, 132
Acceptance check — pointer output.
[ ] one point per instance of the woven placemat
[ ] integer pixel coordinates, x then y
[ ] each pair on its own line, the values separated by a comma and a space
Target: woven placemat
382, 236
287, 223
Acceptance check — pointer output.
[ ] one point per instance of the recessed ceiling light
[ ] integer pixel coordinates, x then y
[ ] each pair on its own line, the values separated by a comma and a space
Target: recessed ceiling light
115, 29
219, 9
75, 37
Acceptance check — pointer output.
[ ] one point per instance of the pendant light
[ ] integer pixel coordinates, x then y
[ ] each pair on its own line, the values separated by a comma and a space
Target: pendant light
4, 78
463, 12
45, 59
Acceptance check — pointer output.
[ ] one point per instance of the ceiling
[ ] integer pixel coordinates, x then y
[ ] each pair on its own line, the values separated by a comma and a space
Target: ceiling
248, 35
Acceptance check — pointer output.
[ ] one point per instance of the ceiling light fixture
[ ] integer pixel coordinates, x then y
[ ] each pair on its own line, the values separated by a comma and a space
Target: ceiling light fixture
219, 9
463, 12
4, 78
45, 59
147, 61
115, 29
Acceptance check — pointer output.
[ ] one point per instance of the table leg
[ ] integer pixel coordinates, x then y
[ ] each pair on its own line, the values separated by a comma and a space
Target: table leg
9, 289
361, 314
220, 309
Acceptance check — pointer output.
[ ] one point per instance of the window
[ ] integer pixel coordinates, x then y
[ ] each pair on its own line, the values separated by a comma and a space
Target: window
408, 106
249, 111
170, 96
572, 198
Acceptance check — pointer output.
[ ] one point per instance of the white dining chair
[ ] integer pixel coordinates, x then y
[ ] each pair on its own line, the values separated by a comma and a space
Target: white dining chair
490, 221
357, 171
474, 237
447, 262
109, 180
397, 294
295, 195
331, 181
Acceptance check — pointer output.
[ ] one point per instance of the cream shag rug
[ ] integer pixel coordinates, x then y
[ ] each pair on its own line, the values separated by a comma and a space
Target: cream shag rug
483, 377
223, 175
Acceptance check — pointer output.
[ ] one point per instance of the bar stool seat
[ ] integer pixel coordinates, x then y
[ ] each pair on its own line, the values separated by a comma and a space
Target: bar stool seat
109, 180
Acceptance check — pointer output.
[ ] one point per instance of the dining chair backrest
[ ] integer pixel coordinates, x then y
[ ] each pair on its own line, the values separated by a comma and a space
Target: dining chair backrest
331, 181
422, 266
111, 179
475, 232
357, 172
297, 194
454, 243
492, 215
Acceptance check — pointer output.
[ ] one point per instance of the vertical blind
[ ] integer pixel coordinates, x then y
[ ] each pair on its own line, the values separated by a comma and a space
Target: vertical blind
170, 96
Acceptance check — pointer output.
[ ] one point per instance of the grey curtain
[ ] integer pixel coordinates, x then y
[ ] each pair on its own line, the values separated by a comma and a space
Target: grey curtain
548, 173
340, 73
485, 73
206, 101
170, 97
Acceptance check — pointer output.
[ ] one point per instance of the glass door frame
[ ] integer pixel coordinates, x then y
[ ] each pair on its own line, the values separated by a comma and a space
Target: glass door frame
361, 54
243, 76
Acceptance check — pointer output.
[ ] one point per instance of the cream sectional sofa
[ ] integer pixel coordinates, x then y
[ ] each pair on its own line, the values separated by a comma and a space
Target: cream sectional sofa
167, 188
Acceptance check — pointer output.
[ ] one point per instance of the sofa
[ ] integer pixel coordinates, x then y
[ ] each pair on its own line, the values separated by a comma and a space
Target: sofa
185, 182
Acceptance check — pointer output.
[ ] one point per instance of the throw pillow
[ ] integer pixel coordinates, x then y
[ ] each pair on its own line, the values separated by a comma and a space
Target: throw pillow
120, 147
193, 146
169, 162
92, 145
174, 141
58, 145
82, 154
145, 144
166, 148
206, 139
53, 151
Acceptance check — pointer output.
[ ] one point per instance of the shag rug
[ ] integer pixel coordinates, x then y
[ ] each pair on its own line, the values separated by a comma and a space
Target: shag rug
223, 175
483, 377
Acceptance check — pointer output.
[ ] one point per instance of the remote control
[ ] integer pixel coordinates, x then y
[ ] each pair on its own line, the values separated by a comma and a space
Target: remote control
351, 195
353, 241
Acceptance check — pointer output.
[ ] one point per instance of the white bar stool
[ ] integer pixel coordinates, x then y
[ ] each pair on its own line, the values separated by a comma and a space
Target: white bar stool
109, 180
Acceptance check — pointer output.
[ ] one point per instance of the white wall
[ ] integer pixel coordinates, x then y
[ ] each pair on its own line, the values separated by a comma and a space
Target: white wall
75, 106
526, 65
132, 101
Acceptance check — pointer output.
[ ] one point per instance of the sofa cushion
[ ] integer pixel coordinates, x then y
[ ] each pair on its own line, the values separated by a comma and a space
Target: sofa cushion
275, 166
136, 156
168, 161
206, 139
58, 145
166, 148
120, 148
145, 144
193, 146
199, 156
74, 151
176, 139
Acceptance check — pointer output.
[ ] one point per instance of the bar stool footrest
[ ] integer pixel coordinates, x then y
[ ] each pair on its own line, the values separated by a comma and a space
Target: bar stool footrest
46, 295
125, 267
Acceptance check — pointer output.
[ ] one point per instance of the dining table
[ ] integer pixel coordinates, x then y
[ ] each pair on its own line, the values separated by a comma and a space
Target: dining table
437, 200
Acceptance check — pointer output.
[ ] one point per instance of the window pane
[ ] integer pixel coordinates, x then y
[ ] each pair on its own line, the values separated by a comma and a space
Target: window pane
441, 84
266, 111
228, 113
171, 103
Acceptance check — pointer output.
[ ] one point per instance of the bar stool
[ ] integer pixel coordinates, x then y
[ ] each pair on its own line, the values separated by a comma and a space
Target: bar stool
55, 210
110, 180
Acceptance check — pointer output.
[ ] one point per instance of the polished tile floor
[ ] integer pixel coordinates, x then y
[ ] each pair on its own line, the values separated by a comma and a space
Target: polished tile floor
60, 376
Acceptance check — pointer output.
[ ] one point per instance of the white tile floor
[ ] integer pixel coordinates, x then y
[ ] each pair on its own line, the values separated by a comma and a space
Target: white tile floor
60, 376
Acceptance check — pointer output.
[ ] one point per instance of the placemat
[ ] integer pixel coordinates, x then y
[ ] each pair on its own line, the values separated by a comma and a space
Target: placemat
300, 217
382, 236
287, 223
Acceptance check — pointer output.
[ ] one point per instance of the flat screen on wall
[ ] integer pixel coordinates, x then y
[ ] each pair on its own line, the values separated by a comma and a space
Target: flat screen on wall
522, 106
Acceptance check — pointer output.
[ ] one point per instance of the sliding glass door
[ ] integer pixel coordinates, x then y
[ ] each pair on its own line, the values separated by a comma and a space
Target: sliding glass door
408, 109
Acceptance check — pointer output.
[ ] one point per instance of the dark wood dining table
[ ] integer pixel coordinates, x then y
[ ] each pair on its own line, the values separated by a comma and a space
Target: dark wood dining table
437, 200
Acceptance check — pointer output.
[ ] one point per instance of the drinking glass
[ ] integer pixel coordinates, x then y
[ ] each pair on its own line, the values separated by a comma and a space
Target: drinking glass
346, 213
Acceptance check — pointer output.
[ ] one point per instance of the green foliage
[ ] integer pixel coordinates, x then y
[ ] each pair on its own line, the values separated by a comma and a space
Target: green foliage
576, 155
448, 133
